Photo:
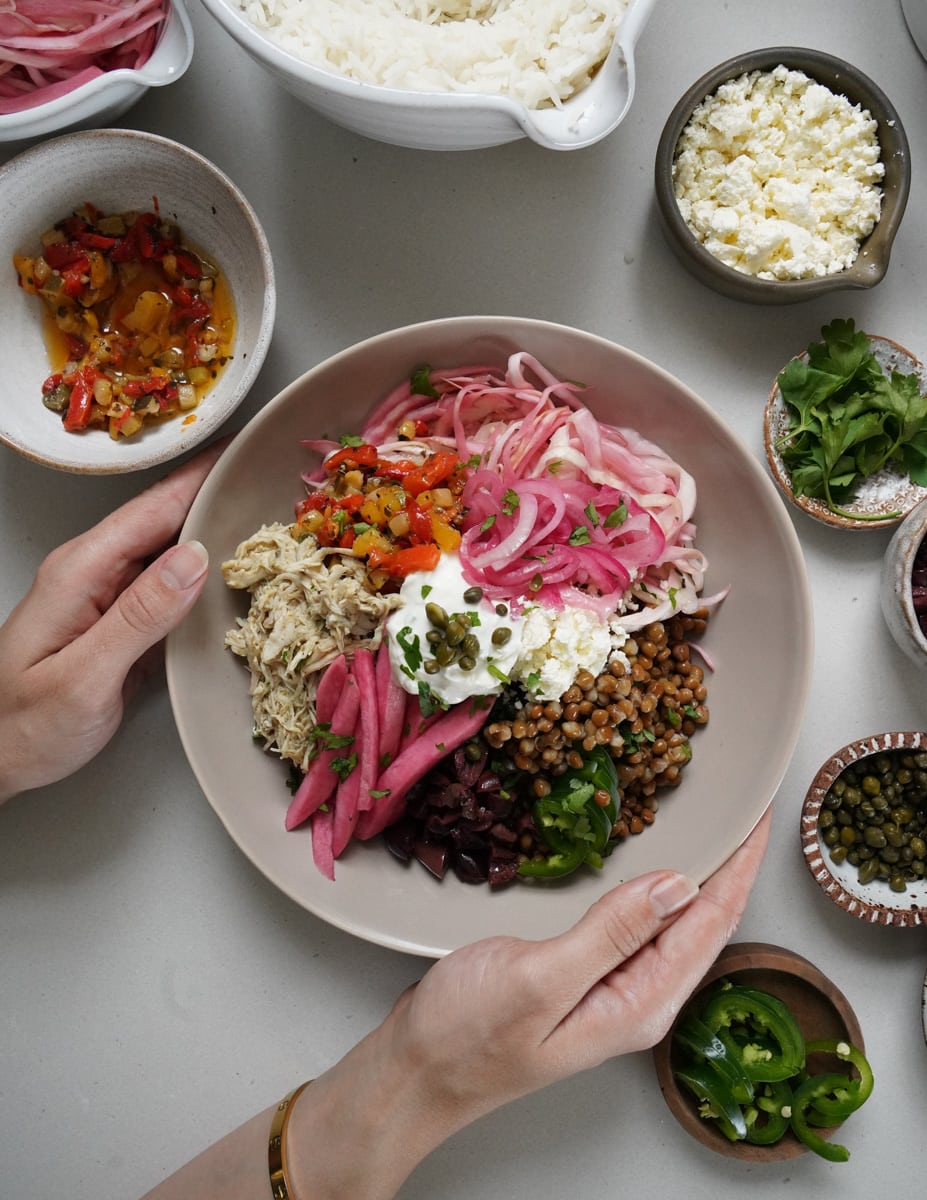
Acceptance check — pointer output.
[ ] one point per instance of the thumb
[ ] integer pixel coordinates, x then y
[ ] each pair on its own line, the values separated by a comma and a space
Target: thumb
149, 608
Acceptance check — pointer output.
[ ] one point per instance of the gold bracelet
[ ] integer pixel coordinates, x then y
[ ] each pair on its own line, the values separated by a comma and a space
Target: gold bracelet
276, 1148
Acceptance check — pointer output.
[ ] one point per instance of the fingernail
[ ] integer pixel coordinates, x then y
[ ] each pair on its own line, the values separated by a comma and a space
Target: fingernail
184, 565
671, 894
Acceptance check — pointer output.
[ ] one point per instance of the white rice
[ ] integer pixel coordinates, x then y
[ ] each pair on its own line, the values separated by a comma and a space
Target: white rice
540, 52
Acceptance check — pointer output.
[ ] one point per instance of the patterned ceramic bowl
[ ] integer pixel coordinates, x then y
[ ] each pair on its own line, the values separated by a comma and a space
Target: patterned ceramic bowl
874, 835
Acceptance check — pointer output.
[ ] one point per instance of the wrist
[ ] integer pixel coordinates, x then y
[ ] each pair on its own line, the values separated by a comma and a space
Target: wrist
364, 1125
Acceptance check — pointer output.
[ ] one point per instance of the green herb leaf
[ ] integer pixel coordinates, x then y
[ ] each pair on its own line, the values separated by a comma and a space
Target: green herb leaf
344, 766
411, 647
326, 740
848, 420
616, 517
590, 511
580, 536
488, 523
510, 502
421, 383
351, 439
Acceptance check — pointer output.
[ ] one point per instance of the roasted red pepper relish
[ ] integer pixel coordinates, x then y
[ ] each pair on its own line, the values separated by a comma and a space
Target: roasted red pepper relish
399, 514
139, 324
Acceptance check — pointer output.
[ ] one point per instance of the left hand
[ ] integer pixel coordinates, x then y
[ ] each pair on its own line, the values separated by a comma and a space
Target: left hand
90, 627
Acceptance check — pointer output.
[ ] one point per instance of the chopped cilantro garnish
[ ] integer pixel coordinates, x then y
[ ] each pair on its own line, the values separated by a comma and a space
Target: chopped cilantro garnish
510, 502
590, 511
554, 465
421, 384
411, 647
322, 736
344, 766
351, 439
426, 590
496, 673
580, 536
379, 793
617, 516
672, 596
428, 701
488, 523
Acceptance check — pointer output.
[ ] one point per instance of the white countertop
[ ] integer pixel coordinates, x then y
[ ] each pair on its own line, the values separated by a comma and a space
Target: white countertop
155, 989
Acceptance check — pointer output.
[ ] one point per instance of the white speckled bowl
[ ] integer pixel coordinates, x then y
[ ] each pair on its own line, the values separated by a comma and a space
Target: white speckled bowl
840, 77
119, 170
873, 902
106, 98
888, 495
896, 591
450, 120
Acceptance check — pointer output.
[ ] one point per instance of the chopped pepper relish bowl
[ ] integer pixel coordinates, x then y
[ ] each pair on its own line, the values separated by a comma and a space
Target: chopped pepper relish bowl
120, 171
754, 561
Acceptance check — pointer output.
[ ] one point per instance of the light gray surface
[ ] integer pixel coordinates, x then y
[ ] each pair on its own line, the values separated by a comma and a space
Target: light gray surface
154, 989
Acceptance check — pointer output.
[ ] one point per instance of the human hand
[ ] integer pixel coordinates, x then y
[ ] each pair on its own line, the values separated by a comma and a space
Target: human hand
90, 627
504, 1017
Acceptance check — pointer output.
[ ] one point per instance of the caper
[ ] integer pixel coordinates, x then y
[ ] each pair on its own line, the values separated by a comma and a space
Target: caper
918, 847
826, 819
868, 870
873, 836
436, 615
847, 836
455, 631
838, 854
471, 645
502, 610
432, 667
444, 654
832, 836
501, 636
466, 663
897, 883
473, 595
433, 637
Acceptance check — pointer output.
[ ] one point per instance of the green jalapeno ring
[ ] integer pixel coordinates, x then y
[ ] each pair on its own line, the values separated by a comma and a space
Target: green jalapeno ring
715, 1099
774, 1103
764, 1017
693, 1036
807, 1095
856, 1092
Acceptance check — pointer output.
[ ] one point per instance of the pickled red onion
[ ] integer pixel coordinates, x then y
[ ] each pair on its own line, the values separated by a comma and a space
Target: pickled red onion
536, 440
48, 49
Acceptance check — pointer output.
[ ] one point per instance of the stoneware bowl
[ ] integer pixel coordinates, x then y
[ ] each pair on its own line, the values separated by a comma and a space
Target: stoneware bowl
120, 170
882, 500
104, 99
896, 588
820, 1008
751, 547
841, 78
431, 120
873, 902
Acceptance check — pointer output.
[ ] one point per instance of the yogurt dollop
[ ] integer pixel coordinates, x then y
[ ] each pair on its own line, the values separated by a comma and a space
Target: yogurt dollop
409, 625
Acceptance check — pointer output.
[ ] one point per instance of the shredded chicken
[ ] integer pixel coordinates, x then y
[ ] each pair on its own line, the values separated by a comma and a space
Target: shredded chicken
308, 605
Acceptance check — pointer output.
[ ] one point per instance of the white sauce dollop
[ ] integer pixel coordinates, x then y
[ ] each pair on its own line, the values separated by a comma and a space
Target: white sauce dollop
546, 651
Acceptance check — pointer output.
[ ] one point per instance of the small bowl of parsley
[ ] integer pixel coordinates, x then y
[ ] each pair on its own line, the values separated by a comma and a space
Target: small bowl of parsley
845, 429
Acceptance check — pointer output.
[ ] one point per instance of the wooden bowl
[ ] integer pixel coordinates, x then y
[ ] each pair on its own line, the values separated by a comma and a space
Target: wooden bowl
818, 1005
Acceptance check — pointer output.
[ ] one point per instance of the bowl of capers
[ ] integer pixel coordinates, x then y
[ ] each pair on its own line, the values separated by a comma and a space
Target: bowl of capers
864, 828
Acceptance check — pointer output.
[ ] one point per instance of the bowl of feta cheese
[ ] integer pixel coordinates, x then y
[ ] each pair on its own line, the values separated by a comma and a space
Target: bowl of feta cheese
781, 175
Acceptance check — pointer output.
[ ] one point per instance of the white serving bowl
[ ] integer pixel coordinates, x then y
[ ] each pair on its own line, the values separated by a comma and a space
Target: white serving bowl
760, 639
120, 170
445, 120
106, 98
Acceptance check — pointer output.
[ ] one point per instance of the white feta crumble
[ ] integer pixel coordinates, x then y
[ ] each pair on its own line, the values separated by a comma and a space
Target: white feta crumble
779, 177
556, 646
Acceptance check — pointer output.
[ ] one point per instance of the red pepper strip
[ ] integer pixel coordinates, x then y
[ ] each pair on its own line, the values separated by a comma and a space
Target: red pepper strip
434, 470
79, 405
419, 522
51, 383
74, 281
188, 264
76, 346
95, 241
61, 255
351, 457
144, 387
401, 563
